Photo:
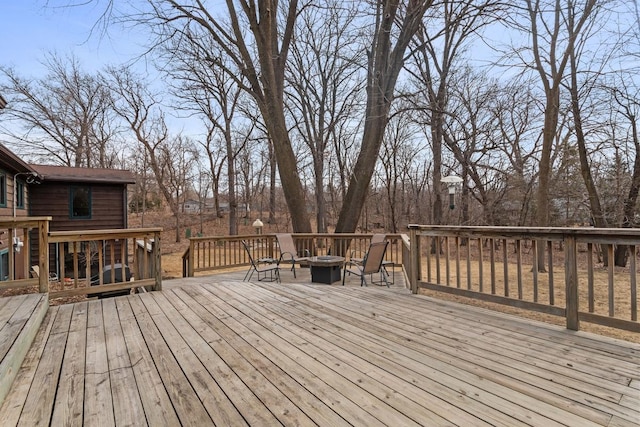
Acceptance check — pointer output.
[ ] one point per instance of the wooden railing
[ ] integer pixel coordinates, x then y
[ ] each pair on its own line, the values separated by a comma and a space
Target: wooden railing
224, 252
20, 228
71, 263
500, 264
104, 262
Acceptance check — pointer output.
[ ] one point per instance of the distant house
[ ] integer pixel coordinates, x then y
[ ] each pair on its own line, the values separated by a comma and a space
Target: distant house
191, 206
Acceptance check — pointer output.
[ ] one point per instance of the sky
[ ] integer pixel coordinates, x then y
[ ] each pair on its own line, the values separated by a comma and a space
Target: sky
32, 28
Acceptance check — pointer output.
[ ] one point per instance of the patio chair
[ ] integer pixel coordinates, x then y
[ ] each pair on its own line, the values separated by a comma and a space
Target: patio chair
371, 264
376, 238
268, 267
288, 251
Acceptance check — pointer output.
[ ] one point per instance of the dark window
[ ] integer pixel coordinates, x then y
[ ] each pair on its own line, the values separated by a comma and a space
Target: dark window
19, 194
4, 265
3, 189
80, 203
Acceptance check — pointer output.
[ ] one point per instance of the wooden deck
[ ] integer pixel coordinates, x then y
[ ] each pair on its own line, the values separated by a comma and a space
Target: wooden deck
217, 351
20, 319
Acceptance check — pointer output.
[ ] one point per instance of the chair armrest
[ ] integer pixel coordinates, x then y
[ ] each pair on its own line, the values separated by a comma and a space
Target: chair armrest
353, 258
287, 255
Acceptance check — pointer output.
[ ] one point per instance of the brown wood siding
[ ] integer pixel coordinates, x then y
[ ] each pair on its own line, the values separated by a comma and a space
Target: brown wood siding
7, 210
52, 199
107, 206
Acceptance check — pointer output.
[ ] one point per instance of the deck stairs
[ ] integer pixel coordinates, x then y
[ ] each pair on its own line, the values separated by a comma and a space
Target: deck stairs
20, 319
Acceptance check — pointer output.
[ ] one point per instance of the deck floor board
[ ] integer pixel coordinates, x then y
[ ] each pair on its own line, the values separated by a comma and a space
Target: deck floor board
218, 351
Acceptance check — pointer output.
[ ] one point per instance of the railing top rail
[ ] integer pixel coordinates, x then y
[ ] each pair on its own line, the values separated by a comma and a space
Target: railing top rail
296, 235
18, 222
548, 232
234, 237
67, 236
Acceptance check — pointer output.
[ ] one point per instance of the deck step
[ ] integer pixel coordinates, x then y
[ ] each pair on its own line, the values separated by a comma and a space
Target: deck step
20, 319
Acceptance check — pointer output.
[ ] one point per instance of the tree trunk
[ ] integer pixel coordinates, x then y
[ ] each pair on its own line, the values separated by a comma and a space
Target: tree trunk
321, 206
288, 170
621, 253
542, 196
597, 213
385, 63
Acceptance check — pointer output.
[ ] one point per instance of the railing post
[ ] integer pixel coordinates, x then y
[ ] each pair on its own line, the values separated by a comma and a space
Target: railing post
43, 256
571, 282
414, 254
191, 260
157, 260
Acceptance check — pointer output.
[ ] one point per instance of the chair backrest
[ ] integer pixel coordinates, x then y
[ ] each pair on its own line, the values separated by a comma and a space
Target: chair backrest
285, 241
246, 247
375, 257
377, 238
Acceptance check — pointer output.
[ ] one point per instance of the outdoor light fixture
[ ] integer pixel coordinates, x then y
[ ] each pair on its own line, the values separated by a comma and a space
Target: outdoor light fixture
257, 224
17, 244
452, 182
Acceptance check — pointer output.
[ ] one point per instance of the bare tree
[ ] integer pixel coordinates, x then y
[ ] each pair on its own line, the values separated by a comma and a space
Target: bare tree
324, 95
627, 97
395, 21
215, 96
469, 126
399, 149
177, 158
260, 56
136, 104
440, 44
65, 115
553, 38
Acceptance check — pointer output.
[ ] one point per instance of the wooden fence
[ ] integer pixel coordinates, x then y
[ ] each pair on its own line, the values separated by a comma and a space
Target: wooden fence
100, 262
501, 265
20, 228
222, 252
71, 263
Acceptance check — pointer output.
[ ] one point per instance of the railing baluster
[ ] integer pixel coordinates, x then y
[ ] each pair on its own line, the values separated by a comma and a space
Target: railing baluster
428, 254
519, 266
610, 275
447, 262
534, 251
571, 283
505, 261
438, 250
633, 284
590, 279
469, 264
492, 260
480, 265
552, 298
458, 262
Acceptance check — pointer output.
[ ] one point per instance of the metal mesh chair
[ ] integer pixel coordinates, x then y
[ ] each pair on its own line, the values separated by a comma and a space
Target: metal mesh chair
270, 270
372, 263
288, 251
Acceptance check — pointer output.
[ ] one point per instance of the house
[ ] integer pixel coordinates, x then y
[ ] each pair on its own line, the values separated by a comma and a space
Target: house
15, 179
75, 198
191, 206
79, 199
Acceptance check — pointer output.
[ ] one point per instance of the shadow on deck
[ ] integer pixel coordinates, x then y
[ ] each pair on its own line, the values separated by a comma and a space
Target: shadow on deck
214, 350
